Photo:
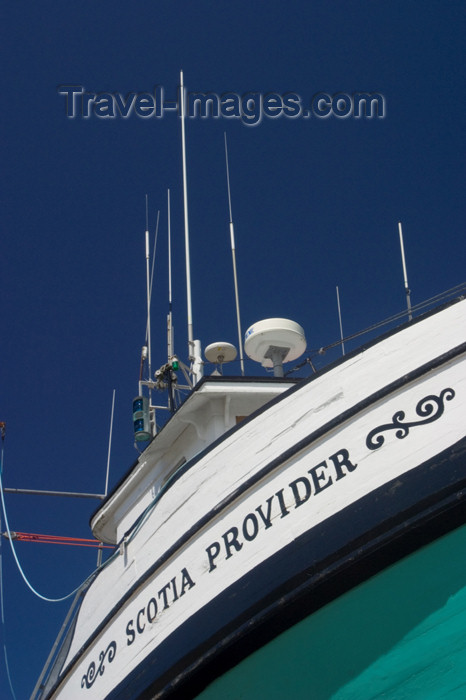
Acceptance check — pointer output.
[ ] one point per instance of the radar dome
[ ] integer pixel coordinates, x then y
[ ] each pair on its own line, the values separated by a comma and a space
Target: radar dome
220, 352
274, 341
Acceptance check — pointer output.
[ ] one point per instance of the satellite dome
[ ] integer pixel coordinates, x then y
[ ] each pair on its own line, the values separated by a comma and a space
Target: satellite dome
220, 352
274, 341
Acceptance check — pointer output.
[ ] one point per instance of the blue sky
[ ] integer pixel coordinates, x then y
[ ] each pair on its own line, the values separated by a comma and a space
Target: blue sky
315, 204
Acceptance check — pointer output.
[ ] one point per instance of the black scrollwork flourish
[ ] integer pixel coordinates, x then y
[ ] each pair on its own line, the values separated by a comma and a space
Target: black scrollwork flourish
91, 675
430, 408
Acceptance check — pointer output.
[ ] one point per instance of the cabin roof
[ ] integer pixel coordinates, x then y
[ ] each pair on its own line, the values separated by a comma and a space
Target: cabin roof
207, 390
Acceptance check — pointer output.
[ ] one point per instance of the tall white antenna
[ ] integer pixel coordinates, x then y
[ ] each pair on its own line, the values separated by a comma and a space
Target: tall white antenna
109, 444
405, 274
341, 326
186, 223
153, 263
99, 554
148, 290
233, 255
169, 317
155, 250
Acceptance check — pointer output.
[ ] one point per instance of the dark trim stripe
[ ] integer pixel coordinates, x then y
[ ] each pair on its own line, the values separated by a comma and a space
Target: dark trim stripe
267, 469
335, 422
323, 563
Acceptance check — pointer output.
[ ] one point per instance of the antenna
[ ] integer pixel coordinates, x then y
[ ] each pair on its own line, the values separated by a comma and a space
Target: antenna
155, 249
405, 274
186, 222
99, 554
148, 333
197, 367
233, 255
341, 327
169, 317
148, 290
144, 353
110, 443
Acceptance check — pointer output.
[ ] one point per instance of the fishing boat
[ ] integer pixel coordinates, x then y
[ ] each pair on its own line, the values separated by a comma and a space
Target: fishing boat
284, 537
288, 537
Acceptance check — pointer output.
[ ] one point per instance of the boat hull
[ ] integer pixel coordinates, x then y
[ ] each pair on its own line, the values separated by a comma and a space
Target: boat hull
334, 482
398, 635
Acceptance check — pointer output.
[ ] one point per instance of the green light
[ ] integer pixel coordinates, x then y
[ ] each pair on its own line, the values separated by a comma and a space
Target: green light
175, 364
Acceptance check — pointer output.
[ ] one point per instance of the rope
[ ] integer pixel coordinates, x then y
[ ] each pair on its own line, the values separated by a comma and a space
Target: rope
10, 537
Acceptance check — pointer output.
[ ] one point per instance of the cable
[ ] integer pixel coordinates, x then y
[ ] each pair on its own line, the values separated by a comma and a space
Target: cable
2, 607
396, 317
82, 587
39, 595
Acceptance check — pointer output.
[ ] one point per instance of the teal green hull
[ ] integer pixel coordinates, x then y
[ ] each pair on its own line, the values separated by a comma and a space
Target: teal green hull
401, 635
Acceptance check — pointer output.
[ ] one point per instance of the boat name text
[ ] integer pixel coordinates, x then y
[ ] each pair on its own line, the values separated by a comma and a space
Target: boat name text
165, 597
322, 475
271, 511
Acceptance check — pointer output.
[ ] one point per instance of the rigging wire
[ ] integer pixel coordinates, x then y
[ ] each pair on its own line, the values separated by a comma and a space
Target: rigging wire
391, 319
5, 654
10, 537
77, 592
2, 606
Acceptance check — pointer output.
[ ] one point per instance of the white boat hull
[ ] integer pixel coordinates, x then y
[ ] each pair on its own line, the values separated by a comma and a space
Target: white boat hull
336, 478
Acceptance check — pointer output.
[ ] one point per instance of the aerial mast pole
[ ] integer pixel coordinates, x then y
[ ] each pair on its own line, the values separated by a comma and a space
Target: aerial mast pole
233, 255
194, 345
186, 221
148, 289
169, 318
341, 326
405, 274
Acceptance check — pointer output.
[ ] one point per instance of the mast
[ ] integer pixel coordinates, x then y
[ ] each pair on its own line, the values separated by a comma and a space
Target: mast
148, 290
194, 346
169, 317
186, 222
233, 255
405, 274
341, 326
151, 412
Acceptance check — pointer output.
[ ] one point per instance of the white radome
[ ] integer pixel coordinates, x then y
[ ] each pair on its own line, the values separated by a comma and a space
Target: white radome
274, 332
220, 353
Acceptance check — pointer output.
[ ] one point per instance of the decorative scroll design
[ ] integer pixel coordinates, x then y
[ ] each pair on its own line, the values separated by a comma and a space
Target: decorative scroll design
91, 675
430, 408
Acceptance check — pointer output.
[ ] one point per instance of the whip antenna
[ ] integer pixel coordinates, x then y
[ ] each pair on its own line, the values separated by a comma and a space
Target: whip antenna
341, 327
153, 255
169, 318
148, 333
233, 256
186, 222
405, 274
148, 289
99, 554
109, 444
197, 366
